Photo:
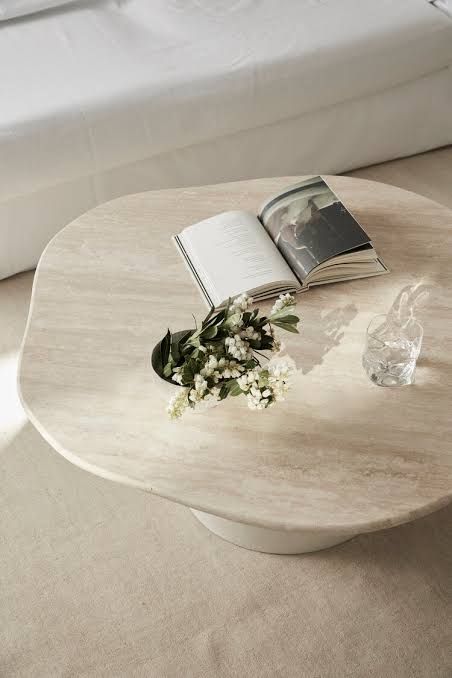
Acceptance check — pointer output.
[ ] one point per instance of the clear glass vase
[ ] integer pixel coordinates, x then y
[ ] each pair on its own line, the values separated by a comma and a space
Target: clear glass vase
392, 350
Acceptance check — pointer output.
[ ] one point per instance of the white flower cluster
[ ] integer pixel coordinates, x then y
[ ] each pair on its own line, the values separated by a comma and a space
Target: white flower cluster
177, 376
262, 395
249, 333
238, 347
178, 404
282, 301
240, 304
199, 391
215, 368
280, 373
238, 344
247, 380
221, 368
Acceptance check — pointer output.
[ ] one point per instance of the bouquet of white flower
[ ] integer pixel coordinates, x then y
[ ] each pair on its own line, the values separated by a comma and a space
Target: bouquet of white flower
220, 359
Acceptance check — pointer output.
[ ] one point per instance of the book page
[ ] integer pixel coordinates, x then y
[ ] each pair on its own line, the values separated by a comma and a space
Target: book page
232, 253
310, 225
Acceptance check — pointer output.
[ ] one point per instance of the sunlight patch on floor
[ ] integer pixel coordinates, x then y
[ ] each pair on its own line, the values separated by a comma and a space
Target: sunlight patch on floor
12, 415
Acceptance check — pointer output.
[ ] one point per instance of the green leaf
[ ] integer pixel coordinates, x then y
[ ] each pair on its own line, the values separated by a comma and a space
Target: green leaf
232, 320
175, 352
287, 327
283, 312
251, 364
165, 345
208, 316
220, 317
267, 342
233, 387
194, 341
229, 388
209, 332
263, 378
224, 392
189, 370
181, 341
216, 319
291, 319
168, 370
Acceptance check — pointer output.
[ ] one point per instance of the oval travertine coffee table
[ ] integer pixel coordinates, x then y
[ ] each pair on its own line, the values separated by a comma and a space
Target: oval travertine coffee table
340, 457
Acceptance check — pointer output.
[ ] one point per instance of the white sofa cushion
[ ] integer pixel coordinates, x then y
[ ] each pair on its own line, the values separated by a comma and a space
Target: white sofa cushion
102, 85
10, 9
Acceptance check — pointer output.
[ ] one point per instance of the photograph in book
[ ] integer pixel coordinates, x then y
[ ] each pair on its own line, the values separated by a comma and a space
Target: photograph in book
309, 224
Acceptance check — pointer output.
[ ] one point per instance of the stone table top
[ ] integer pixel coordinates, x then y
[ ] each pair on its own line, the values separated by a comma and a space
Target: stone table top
339, 453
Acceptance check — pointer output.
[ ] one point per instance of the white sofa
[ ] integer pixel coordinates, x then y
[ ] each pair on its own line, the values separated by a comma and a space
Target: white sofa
99, 99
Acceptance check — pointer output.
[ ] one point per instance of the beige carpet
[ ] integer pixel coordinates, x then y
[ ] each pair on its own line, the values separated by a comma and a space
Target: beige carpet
102, 580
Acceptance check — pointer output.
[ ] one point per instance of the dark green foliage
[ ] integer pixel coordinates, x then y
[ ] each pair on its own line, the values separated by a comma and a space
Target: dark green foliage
189, 350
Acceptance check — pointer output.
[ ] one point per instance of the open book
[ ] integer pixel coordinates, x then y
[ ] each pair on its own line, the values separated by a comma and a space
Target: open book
303, 236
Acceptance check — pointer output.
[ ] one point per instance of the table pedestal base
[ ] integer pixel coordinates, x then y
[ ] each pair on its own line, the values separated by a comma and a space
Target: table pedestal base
268, 540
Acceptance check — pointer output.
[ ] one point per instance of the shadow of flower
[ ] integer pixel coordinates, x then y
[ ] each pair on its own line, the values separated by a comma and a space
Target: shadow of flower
321, 332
